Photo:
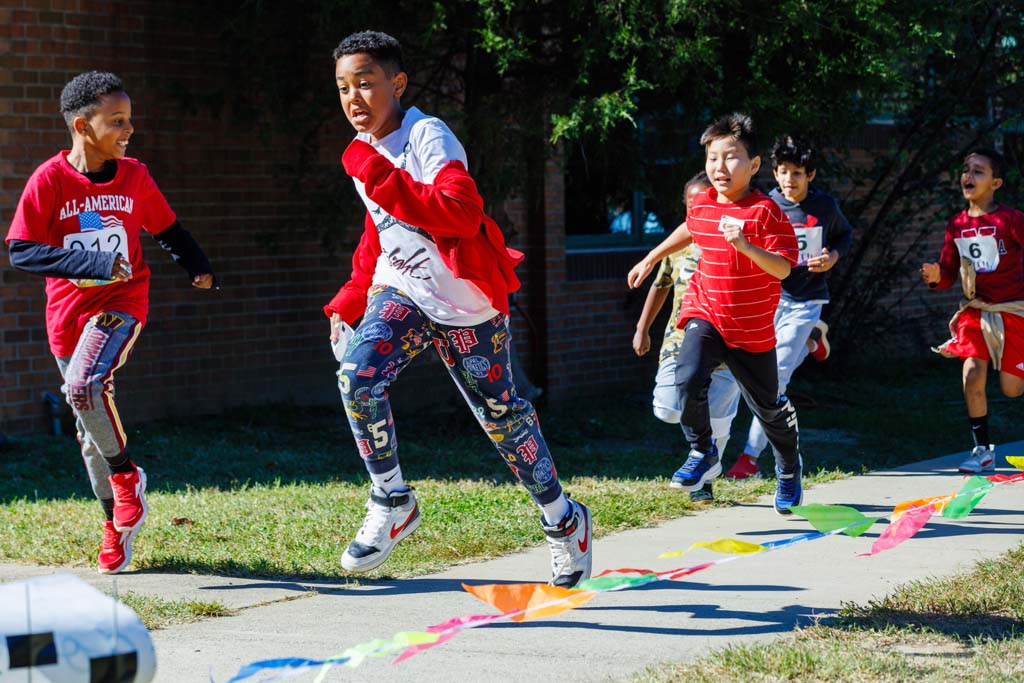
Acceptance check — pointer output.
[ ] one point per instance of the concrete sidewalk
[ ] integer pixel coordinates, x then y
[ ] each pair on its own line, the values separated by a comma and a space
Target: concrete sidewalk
755, 598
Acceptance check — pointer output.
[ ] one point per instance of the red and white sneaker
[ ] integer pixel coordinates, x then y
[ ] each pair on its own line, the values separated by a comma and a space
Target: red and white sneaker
129, 499
116, 551
390, 517
745, 468
570, 542
819, 339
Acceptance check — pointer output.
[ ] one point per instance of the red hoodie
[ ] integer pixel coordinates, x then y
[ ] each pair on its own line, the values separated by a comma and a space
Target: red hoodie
451, 210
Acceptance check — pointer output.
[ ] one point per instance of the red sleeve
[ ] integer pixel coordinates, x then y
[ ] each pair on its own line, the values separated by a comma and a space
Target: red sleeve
779, 236
450, 207
350, 301
949, 260
34, 216
158, 213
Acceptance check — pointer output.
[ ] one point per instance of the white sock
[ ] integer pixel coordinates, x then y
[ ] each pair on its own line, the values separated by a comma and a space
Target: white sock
556, 510
389, 481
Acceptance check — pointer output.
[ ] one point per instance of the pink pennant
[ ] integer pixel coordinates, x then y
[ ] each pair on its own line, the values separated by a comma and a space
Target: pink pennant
686, 571
453, 625
901, 528
1005, 478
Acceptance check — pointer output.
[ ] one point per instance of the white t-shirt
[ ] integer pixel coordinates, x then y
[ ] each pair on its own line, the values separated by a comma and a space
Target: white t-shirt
409, 259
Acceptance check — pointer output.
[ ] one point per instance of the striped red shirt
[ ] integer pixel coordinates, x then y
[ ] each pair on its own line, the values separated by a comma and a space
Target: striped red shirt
729, 290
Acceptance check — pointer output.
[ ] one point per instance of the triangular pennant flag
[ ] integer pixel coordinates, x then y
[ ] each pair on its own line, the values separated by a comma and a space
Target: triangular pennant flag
287, 666
1005, 478
968, 498
826, 518
534, 600
937, 503
728, 546
908, 524
1016, 461
625, 570
686, 571
608, 582
444, 632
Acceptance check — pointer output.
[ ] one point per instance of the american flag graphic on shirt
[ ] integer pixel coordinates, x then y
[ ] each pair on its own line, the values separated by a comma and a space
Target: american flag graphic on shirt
92, 220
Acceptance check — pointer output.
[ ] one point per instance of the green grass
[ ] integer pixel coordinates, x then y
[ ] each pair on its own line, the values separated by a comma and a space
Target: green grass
156, 612
965, 627
278, 491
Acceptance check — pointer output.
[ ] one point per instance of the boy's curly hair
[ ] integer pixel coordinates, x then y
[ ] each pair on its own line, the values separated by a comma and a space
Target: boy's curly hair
384, 49
737, 126
794, 151
81, 96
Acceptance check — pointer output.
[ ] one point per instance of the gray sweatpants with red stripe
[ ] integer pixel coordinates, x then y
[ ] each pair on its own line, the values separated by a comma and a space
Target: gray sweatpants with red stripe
88, 375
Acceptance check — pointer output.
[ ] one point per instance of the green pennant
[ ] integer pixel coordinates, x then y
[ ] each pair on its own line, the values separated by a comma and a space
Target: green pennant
827, 518
610, 581
967, 498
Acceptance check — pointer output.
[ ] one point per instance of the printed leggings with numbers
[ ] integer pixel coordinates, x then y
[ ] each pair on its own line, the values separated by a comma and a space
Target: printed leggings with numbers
393, 332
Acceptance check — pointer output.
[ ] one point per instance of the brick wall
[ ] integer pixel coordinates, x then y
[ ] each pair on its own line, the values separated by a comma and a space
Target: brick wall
262, 337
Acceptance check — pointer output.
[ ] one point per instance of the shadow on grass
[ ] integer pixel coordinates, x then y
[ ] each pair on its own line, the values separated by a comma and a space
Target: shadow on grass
962, 628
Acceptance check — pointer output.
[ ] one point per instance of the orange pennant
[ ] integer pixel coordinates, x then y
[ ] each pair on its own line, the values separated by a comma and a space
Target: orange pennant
534, 600
938, 503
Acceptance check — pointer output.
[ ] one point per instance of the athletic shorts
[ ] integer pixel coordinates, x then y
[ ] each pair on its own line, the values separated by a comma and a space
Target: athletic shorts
970, 342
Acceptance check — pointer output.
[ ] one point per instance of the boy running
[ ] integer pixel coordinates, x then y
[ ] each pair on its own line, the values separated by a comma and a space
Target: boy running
823, 235
984, 244
78, 223
674, 273
747, 247
431, 268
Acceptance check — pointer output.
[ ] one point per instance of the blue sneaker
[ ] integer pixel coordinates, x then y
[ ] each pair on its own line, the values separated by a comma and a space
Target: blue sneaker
789, 491
697, 470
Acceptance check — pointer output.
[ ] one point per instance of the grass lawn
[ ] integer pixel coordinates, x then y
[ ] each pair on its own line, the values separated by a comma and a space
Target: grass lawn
279, 491
966, 627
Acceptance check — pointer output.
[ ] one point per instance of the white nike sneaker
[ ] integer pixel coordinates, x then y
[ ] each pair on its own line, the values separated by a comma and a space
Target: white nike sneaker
570, 541
982, 459
389, 519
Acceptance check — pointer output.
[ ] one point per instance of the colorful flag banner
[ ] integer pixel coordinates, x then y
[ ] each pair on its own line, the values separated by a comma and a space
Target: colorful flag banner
522, 602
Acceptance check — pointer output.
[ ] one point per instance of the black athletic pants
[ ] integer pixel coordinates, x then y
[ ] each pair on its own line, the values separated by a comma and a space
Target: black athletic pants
703, 350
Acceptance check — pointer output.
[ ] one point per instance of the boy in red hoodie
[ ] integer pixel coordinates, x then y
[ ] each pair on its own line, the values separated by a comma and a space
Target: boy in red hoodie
431, 268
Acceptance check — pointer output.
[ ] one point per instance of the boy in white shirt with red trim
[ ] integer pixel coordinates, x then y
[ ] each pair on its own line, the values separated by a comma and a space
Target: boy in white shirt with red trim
431, 268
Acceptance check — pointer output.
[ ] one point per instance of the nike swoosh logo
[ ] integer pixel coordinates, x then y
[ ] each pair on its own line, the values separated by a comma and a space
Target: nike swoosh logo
584, 542
395, 532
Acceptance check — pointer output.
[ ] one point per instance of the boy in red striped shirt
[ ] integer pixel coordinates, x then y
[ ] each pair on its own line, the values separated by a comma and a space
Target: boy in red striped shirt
747, 248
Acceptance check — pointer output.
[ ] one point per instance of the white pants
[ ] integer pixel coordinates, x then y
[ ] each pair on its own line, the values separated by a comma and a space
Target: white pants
723, 399
794, 321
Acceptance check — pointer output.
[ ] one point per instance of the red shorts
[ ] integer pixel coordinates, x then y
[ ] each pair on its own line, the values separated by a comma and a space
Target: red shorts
970, 342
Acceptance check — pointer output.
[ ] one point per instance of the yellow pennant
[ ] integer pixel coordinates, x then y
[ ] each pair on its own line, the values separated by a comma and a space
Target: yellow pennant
728, 546
1016, 461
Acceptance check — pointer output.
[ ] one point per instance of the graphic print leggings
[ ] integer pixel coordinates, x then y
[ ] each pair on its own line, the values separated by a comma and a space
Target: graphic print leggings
393, 332
88, 373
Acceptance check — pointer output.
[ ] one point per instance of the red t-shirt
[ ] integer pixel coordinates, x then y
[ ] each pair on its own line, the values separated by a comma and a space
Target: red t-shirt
994, 243
729, 290
59, 201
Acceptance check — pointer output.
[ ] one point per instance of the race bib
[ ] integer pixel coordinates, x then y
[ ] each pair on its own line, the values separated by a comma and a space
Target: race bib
727, 221
809, 242
979, 246
107, 240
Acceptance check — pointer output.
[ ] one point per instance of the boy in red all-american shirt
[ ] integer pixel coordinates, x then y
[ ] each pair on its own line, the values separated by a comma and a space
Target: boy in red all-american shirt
78, 224
431, 268
984, 244
747, 248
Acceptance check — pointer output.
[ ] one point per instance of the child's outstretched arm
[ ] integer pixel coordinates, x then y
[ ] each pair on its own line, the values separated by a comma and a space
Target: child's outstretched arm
49, 261
943, 274
349, 303
679, 239
655, 300
187, 253
448, 207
